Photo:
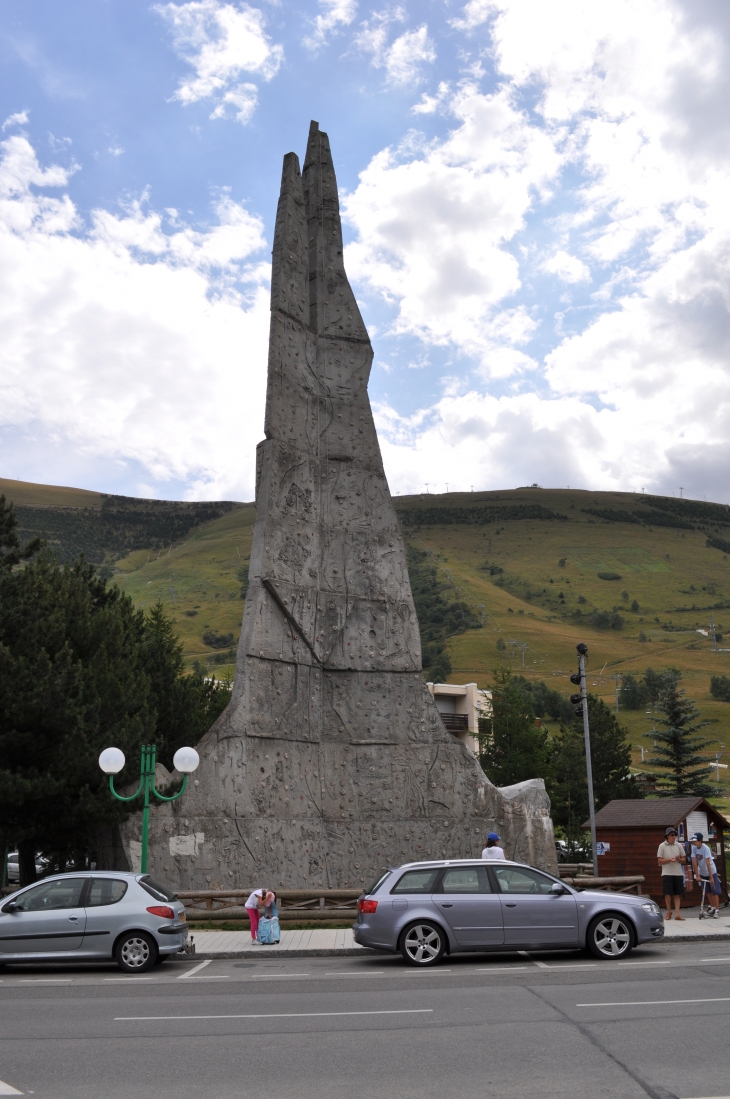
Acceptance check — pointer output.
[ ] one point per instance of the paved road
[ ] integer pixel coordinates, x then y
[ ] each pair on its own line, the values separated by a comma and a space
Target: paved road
477, 1028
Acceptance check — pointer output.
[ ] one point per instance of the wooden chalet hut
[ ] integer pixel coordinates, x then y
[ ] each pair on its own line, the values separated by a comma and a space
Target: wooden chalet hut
628, 833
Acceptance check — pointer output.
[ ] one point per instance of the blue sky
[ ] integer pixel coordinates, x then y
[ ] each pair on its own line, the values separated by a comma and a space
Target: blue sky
535, 204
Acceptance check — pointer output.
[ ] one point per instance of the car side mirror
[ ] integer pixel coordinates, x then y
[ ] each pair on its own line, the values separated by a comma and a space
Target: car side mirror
11, 906
557, 889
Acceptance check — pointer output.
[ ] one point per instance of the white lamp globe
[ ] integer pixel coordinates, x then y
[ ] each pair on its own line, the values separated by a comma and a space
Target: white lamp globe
111, 761
186, 760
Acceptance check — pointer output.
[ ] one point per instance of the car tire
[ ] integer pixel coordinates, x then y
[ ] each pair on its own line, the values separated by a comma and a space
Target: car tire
161, 958
423, 944
136, 952
610, 936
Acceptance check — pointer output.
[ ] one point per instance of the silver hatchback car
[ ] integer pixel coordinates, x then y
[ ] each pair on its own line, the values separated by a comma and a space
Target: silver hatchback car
93, 915
428, 909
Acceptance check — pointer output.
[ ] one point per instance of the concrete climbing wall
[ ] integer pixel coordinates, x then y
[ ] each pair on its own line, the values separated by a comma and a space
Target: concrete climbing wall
331, 760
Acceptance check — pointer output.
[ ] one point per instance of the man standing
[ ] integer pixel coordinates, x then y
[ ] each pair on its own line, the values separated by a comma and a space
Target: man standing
493, 850
705, 870
670, 857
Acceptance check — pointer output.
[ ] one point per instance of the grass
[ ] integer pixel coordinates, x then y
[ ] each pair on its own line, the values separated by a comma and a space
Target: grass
677, 580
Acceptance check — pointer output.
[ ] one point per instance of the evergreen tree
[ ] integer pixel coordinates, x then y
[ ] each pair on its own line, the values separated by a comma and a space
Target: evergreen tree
513, 746
80, 670
610, 760
11, 553
677, 748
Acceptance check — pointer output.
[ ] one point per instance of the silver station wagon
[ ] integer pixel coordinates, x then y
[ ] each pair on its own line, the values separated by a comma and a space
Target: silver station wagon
93, 916
428, 909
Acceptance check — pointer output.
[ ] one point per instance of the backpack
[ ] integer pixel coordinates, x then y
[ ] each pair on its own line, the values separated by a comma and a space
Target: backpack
269, 933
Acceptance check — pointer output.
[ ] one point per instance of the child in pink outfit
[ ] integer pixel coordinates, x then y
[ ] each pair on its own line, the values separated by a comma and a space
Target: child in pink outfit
252, 907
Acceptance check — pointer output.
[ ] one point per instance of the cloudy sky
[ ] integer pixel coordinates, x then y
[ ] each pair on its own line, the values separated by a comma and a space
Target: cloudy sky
537, 212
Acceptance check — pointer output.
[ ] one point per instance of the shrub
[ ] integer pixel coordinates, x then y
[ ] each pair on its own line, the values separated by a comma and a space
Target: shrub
217, 640
720, 687
609, 575
635, 607
606, 620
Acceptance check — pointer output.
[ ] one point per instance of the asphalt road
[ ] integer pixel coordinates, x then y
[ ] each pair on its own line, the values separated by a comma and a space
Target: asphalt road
326, 1028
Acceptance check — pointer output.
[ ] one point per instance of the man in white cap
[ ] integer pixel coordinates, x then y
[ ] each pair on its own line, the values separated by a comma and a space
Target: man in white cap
670, 857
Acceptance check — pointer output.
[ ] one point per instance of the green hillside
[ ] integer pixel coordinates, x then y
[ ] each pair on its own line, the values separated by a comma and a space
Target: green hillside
540, 569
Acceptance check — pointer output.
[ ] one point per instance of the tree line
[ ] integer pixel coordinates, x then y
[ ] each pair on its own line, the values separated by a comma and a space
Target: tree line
80, 670
516, 742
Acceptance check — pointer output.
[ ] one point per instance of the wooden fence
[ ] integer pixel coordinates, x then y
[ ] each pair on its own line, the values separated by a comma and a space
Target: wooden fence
293, 904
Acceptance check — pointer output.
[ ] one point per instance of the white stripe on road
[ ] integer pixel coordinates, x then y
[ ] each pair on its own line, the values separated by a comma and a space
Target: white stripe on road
344, 973
195, 969
130, 980
5, 1089
646, 1003
283, 1015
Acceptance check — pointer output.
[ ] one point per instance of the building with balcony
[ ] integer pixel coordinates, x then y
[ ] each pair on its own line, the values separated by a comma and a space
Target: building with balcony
461, 706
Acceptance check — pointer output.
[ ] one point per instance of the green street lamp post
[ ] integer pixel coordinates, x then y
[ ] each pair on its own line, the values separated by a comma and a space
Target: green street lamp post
111, 762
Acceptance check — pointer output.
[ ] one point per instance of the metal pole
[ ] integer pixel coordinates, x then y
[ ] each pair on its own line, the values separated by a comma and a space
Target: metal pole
589, 767
149, 752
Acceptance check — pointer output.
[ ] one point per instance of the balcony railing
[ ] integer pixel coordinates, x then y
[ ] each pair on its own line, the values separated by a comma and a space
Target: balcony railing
455, 723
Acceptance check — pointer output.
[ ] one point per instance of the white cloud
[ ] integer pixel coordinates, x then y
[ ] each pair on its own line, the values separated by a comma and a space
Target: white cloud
429, 104
431, 229
18, 119
221, 41
566, 267
128, 342
625, 130
334, 14
403, 58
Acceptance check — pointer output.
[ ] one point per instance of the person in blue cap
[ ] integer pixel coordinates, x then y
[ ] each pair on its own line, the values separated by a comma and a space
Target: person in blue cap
493, 850
704, 868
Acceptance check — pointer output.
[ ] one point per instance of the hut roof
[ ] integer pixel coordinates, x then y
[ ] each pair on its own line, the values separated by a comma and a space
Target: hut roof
649, 812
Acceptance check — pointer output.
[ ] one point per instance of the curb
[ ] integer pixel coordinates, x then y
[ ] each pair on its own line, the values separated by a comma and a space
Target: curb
353, 952
366, 952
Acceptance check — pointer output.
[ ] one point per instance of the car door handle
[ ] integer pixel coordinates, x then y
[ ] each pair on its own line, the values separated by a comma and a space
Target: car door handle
510, 904
447, 905
73, 917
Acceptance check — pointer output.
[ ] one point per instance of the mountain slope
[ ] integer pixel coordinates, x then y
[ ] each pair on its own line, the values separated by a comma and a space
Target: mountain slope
541, 569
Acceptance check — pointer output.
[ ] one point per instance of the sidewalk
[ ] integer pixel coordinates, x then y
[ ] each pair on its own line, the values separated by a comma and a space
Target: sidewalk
323, 943
326, 943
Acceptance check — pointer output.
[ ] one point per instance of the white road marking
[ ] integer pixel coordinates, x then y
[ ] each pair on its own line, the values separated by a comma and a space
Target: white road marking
129, 980
499, 969
5, 1089
577, 965
195, 969
283, 1015
645, 1003
344, 973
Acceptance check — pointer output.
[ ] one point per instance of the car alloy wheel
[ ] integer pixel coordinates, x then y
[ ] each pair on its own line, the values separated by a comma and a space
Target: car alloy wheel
136, 952
423, 944
610, 937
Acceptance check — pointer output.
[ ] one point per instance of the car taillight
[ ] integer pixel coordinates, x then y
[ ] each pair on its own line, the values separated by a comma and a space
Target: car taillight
367, 906
162, 911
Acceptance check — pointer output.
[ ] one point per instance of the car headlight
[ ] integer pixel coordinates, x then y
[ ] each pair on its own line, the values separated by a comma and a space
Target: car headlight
651, 907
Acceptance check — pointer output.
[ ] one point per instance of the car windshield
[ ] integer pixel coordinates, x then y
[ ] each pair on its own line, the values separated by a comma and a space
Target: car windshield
159, 892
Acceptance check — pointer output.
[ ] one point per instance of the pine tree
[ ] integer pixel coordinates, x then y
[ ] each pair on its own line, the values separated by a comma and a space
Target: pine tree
677, 748
610, 759
82, 670
11, 553
513, 745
